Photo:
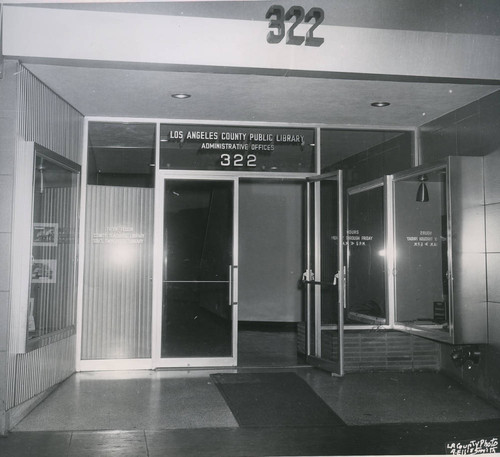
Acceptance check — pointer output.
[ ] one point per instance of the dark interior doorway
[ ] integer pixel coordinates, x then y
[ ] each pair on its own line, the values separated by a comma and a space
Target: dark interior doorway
271, 260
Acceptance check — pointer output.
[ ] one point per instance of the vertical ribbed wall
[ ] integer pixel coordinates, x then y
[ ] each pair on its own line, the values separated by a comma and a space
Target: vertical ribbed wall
46, 119
41, 369
59, 206
117, 295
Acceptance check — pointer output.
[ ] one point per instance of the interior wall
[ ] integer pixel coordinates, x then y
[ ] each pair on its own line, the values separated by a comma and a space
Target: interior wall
270, 251
473, 130
469, 131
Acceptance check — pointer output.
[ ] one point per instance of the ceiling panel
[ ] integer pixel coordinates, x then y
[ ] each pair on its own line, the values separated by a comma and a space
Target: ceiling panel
254, 98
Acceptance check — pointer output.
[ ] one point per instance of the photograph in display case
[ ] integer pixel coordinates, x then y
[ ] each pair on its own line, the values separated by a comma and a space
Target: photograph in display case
45, 234
43, 271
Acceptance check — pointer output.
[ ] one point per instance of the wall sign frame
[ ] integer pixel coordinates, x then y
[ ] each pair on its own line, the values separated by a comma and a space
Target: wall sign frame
232, 148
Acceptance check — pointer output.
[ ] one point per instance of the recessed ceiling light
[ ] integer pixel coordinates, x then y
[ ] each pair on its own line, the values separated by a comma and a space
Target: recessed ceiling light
181, 96
380, 104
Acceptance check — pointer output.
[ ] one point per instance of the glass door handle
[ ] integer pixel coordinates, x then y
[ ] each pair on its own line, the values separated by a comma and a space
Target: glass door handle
233, 285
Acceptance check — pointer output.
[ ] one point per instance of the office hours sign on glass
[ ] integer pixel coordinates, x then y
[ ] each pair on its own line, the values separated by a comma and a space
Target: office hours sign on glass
229, 148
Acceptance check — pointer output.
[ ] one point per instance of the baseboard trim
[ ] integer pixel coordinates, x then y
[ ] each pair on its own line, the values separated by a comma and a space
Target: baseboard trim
19, 412
265, 326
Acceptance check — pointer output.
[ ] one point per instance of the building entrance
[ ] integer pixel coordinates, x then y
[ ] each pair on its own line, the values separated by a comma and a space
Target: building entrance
178, 260
231, 259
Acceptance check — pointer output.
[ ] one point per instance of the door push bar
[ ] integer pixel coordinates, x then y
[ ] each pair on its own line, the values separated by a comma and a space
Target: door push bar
308, 278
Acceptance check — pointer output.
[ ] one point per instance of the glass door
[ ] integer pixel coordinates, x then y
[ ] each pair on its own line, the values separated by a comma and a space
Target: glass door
367, 291
324, 275
199, 273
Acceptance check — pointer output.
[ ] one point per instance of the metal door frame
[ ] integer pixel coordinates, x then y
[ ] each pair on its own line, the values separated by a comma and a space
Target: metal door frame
316, 359
181, 362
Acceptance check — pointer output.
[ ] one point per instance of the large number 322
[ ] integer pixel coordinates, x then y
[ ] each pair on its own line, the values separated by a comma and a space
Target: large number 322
298, 13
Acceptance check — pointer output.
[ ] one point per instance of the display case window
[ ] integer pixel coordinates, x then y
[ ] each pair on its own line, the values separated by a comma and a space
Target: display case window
54, 238
421, 247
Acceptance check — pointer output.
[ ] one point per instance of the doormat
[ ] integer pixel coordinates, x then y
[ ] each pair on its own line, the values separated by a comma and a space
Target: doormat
280, 399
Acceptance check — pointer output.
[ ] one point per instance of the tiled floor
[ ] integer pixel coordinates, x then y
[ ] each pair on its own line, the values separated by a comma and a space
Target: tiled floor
174, 413
149, 400
182, 414
144, 400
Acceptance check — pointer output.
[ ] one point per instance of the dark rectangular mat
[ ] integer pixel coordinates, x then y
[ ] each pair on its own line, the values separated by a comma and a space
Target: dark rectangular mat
280, 399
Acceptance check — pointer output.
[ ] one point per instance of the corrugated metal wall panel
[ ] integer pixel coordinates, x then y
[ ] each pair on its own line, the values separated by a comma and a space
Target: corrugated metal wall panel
117, 295
54, 313
42, 368
47, 119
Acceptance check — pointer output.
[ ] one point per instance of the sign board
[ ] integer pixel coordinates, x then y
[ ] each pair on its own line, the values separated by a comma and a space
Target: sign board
229, 148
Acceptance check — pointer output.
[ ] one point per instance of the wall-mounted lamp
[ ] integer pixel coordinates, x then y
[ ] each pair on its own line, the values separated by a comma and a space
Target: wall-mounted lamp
41, 169
422, 192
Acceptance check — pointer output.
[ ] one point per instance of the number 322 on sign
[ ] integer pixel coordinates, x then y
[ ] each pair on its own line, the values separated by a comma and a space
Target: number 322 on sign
238, 160
277, 16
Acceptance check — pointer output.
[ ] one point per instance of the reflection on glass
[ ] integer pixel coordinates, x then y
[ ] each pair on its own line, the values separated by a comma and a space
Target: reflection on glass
121, 154
421, 251
198, 240
53, 250
366, 257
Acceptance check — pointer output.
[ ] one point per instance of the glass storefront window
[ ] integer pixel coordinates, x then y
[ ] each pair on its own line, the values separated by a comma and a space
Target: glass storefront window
52, 298
421, 243
365, 241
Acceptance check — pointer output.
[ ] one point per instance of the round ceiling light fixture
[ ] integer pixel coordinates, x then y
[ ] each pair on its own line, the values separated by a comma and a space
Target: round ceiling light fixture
181, 96
380, 104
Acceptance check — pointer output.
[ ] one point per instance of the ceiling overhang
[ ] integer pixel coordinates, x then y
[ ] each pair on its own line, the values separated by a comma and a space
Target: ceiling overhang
118, 40
125, 60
